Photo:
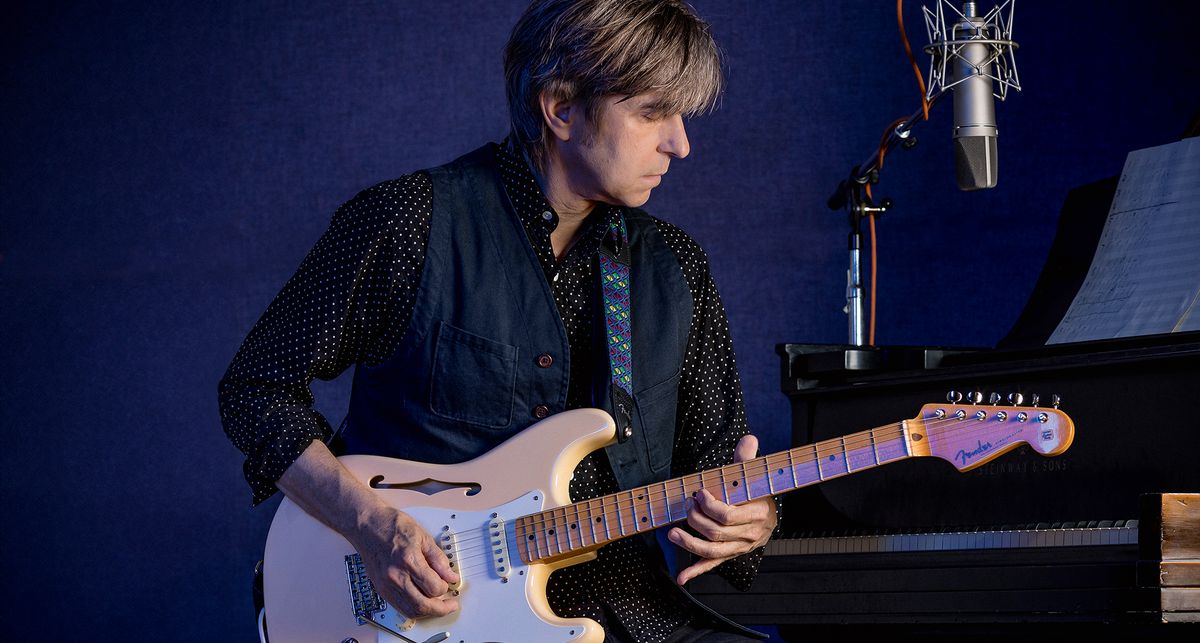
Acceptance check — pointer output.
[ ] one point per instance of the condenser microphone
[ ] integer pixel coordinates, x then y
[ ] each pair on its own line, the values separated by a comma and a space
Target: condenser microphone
975, 155
970, 53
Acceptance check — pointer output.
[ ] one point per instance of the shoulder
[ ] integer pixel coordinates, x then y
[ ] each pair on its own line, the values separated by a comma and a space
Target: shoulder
396, 204
692, 258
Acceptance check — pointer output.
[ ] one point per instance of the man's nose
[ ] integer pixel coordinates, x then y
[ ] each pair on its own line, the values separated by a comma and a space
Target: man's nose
675, 140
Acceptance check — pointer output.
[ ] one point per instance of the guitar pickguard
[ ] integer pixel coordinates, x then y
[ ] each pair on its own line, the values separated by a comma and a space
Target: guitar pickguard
493, 578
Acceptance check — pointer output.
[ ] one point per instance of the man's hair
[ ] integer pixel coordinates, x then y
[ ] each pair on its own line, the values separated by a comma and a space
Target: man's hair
585, 50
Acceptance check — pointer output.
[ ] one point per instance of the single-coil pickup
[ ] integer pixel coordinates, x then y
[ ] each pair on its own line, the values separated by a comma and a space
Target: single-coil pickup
498, 541
448, 541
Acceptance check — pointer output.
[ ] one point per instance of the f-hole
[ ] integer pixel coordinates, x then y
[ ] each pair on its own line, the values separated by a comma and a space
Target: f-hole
427, 486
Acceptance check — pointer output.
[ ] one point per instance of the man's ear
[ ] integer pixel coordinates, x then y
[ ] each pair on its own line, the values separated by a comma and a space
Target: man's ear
559, 115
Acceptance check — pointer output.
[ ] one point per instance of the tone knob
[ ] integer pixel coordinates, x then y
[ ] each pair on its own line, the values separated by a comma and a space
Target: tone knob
954, 397
1055, 400
975, 397
1015, 399
1034, 399
994, 398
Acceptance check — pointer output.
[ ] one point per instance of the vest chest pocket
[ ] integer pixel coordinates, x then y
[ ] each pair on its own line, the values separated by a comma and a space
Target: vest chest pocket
656, 408
473, 378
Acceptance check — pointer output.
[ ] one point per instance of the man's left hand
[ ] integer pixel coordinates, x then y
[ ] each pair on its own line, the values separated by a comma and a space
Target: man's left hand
727, 531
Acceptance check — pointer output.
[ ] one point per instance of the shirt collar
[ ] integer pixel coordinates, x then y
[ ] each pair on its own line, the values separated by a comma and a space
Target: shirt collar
534, 211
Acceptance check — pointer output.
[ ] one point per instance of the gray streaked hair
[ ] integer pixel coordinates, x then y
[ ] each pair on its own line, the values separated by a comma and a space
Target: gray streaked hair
586, 50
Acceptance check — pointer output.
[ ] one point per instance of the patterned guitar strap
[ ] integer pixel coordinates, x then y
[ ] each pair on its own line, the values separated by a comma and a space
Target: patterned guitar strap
614, 281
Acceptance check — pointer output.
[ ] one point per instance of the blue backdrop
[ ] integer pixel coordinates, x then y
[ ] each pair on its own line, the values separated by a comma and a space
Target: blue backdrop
166, 166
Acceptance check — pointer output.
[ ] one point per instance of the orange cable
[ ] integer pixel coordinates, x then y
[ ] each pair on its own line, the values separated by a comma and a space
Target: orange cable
912, 59
883, 153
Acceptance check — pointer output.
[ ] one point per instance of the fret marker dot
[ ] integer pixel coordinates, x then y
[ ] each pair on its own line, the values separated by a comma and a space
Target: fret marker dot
643, 519
735, 483
572, 525
832, 457
551, 532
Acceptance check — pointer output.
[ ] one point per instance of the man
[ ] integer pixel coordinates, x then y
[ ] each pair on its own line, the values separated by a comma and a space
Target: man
467, 297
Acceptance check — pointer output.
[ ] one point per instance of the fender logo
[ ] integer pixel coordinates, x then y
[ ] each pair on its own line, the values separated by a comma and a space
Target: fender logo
962, 455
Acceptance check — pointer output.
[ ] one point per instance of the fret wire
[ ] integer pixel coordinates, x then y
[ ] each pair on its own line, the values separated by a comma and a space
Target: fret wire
633, 511
817, 460
572, 525
874, 446
792, 466
769, 469
604, 517
667, 502
845, 454
522, 541
560, 521
683, 494
557, 529
745, 482
621, 522
541, 536
650, 522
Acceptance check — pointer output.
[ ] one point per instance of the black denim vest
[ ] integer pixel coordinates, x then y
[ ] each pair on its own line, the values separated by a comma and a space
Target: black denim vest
466, 376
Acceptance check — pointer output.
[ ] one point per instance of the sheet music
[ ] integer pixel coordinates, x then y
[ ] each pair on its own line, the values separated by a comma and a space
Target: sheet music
1145, 277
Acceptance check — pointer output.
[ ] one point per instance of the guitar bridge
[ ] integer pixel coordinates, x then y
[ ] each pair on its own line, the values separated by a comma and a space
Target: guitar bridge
368, 606
364, 600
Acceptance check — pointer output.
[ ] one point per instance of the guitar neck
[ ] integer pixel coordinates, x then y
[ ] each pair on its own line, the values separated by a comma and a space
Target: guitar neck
572, 529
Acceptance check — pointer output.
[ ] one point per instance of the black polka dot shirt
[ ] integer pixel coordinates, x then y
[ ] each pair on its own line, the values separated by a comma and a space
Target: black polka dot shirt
351, 301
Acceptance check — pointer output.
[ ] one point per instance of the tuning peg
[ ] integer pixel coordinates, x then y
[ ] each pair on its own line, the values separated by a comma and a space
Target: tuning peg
954, 397
1055, 400
994, 398
1015, 399
1034, 399
975, 397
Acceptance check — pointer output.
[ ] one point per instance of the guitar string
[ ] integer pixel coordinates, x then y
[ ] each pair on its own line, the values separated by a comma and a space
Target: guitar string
871, 438
469, 547
935, 427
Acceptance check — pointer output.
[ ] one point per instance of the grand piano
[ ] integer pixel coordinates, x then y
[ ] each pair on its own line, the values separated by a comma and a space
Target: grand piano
1025, 544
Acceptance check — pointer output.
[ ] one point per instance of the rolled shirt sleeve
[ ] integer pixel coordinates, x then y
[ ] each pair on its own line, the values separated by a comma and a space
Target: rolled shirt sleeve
349, 301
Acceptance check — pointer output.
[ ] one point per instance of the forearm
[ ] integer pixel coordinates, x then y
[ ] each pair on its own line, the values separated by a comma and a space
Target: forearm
327, 491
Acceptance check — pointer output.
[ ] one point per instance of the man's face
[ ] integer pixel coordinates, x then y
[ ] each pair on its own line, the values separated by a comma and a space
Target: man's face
622, 157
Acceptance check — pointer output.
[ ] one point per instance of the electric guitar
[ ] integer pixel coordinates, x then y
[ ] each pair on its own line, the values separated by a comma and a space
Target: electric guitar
506, 522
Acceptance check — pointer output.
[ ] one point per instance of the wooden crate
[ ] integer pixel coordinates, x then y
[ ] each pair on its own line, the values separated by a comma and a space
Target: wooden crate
1169, 543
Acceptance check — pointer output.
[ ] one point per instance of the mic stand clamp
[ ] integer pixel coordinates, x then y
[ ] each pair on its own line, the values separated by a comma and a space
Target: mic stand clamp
857, 208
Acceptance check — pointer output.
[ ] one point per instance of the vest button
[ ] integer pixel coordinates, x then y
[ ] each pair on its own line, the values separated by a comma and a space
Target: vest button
541, 411
545, 360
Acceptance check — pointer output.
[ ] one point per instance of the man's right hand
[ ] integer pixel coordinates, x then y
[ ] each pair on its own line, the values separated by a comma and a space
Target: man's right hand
403, 561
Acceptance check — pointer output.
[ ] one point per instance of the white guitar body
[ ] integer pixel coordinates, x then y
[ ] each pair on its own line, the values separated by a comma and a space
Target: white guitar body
307, 586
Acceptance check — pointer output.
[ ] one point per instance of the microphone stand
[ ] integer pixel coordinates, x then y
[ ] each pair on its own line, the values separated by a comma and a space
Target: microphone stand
850, 194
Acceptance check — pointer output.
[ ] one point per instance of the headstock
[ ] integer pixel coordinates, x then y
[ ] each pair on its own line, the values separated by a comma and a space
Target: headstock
968, 433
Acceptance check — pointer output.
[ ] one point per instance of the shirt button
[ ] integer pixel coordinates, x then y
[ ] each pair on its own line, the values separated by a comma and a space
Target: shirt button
545, 360
547, 215
541, 411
